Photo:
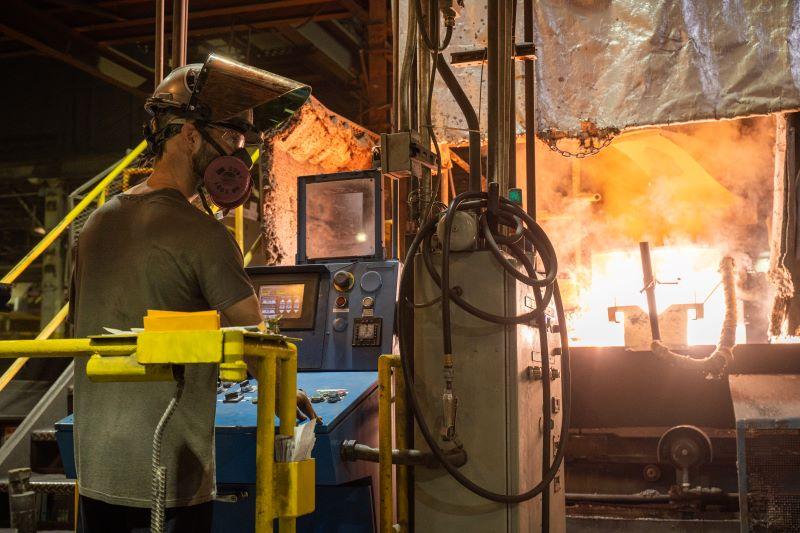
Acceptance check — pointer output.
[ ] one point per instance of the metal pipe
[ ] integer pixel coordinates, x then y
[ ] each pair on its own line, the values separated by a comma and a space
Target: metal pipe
499, 69
530, 116
48, 330
403, 442
56, 232
180, 23
265, 443
287, 411
402, 457
395, 7
650, 289
385, 518
159, 44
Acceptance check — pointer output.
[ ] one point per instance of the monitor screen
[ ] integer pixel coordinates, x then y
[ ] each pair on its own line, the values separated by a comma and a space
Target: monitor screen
285, 300
340, 218
290, 296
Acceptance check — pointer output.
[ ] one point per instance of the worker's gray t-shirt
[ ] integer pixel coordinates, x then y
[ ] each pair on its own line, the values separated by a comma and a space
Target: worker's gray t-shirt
140, 252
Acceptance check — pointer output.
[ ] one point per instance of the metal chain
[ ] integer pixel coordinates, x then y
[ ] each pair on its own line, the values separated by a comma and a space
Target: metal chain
592, 149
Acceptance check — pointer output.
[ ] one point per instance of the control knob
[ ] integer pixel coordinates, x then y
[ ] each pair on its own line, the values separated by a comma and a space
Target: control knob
343, 280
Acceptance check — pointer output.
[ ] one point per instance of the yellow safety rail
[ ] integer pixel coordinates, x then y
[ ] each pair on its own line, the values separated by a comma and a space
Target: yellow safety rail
97, 193
48, 330
386, 364
284, 490
56, 232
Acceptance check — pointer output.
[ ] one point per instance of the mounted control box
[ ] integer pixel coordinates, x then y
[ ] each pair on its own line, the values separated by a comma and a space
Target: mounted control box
343, 312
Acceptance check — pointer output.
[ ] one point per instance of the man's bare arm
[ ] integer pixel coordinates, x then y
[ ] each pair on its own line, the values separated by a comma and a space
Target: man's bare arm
246, 312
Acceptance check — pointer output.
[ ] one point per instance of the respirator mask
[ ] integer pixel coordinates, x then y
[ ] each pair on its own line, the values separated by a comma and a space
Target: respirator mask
227, 177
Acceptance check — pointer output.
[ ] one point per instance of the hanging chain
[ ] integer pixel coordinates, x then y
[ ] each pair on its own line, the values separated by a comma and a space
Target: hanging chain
588, 147
591, 139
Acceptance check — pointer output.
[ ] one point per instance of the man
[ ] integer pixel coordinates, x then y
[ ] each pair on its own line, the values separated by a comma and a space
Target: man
149, 248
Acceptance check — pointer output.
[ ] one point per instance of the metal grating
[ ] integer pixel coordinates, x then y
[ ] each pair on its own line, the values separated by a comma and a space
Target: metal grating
773, 480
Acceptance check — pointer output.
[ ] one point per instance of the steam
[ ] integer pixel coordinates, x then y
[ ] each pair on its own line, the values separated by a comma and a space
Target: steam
706, 185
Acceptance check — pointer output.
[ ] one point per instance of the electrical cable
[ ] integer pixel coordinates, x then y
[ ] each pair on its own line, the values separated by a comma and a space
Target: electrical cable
159, 484
506, 214
427, 39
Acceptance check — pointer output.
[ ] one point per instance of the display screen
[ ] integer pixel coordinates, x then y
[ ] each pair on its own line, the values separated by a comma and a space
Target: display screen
340, 218
285, 301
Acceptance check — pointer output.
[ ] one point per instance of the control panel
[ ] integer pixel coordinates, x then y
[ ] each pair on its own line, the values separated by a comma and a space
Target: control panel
342, 312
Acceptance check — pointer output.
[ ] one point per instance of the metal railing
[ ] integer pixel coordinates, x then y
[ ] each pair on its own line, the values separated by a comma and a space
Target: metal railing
98, 193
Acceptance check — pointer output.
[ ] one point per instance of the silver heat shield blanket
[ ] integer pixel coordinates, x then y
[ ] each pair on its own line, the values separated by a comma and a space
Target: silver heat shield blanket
631, 63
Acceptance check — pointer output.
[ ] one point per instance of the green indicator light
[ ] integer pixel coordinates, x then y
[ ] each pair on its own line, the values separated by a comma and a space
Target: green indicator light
515, 195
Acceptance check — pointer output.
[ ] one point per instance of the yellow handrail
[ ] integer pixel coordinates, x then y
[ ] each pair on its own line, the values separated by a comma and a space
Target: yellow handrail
56, 232
48, 330
98, 193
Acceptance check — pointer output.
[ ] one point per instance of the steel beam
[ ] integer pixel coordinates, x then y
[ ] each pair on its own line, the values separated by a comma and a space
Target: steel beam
330, 47
36, 29
247, 9
353, 7
378, 67
226, 30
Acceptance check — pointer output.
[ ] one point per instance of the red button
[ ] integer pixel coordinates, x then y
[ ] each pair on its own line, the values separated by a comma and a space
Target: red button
341, 301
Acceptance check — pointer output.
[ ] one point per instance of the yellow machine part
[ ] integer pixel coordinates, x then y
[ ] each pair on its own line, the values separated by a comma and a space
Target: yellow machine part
291, 496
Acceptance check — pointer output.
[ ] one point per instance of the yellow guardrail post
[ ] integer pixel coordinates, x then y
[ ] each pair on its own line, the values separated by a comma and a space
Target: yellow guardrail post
265, 443
56, 232
386, 518
287, 411
402, 442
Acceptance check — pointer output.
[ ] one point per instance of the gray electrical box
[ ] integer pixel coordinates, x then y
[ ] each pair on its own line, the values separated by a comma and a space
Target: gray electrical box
499, 418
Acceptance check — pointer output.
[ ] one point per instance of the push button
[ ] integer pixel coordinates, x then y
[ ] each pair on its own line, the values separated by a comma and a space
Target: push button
343, 281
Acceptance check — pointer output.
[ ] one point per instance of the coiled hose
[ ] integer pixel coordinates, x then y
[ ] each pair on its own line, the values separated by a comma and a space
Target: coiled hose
494, 213
158, 492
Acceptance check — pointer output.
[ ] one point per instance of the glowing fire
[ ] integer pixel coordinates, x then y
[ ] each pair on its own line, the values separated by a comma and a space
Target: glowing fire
694, 192
686, 274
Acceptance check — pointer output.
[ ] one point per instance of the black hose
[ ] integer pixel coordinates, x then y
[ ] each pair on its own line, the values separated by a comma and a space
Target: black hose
507, 212
428, 39
471, 118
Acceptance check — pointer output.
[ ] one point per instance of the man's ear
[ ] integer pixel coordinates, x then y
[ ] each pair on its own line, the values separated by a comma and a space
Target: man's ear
191, 136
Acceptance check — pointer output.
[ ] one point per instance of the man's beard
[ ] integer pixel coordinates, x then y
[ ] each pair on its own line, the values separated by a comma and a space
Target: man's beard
200, 162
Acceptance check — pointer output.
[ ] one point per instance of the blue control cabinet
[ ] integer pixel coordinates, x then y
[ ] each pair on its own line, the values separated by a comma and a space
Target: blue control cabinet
344, 316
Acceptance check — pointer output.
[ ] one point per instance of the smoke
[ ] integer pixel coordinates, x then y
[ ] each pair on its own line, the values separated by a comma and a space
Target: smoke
704, 184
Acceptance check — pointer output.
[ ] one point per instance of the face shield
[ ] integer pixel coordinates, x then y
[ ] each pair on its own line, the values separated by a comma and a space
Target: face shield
225, 90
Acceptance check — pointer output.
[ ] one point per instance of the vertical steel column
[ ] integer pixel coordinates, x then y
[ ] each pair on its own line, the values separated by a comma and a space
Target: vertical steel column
52, 284
530, 116
395, 16
180, 27
159, 43
424, 65
500, 78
